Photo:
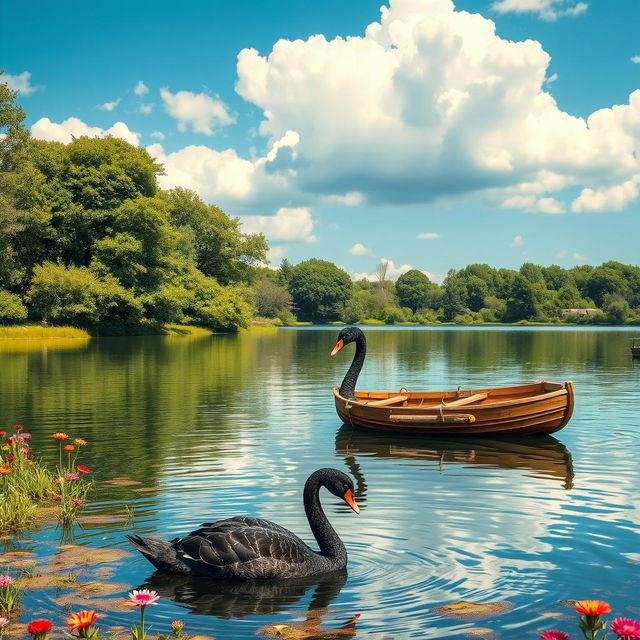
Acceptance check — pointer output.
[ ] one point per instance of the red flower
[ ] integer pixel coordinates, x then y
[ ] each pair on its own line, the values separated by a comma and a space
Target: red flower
57, 498
30, 456
3, 433
18, 427
83, 469
11, 457
36, 627
592, 607
4, 469
69, 447
554, 635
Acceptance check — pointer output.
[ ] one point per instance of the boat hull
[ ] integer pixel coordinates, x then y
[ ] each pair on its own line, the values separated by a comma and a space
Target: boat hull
539, 408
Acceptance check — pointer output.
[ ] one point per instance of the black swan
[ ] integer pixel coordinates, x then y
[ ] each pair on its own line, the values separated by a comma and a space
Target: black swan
251, 548
347, 335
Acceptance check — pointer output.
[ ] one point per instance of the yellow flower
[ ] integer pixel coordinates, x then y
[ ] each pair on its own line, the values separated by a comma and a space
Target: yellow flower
60, 436
80, 442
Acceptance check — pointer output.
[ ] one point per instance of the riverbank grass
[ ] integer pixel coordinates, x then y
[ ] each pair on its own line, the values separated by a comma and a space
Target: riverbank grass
38, 331
28, 488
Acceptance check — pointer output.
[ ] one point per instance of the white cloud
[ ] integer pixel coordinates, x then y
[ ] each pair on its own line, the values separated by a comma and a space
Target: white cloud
158, 135
393, 272
551, 79
288, 225
109, 106
275, 254
359, 249
518, 241
145, 108
197, 111
549, 10
613, 198
562, 253
431, 104
578, 257
141, 89
635, 59
71, 128
428, 236
20, 82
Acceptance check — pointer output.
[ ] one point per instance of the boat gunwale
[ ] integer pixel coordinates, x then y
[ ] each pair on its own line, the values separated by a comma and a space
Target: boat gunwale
487, 405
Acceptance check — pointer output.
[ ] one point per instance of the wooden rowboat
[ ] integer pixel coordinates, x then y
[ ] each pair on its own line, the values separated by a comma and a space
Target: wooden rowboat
543, 407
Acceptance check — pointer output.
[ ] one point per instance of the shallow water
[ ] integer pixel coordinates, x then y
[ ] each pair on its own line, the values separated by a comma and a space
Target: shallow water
211, 427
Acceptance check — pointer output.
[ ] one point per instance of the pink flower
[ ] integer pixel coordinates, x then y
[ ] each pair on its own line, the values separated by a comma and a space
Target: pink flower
626, 629
72, 476
554, 635
24, 448
4, 622
78, 502
57, 498
143, 597
6, 581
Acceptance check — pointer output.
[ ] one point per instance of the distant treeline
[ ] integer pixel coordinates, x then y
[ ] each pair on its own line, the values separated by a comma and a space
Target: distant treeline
87, 238
318, 291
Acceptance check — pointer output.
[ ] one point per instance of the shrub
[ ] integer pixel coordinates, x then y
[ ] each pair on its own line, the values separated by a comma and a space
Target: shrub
11, 308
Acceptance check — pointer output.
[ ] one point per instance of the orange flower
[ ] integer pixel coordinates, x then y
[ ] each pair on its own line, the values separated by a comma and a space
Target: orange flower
592, 607
60, 436
82, 620
80, 442
69, 447
5, 468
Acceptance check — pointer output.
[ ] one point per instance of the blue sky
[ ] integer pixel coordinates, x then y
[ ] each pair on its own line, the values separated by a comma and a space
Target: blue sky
427, 123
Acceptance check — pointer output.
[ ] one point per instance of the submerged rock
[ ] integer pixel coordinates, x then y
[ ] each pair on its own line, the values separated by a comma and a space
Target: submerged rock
465, 610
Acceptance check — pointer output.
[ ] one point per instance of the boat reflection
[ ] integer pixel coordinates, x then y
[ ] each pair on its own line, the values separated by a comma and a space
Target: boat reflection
543, 456
234, 599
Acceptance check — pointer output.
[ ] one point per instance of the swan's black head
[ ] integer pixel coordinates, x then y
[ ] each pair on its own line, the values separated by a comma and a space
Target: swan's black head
347, 335
340, 484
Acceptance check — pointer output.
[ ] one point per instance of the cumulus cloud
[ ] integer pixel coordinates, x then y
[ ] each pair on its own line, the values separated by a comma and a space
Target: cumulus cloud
197, 111
428, 236
549, 10
109, 106
613, 198
20, 82
287, 225
359, 249
158, 135
518, 241
394, 272
145, 108
578, 257
66, 131
431, 104
141, 89
635, 59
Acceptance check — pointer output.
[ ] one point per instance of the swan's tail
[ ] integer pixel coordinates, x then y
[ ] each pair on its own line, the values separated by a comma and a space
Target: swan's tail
160, 554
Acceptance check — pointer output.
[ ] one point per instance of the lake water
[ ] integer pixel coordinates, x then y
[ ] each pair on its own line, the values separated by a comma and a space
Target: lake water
211, 427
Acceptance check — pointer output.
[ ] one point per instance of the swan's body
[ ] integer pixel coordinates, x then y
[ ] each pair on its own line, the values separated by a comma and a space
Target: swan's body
252, 548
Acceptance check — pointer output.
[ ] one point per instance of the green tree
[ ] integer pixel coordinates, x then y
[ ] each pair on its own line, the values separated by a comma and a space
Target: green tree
412, 289
11, 308
454, 297
222, 251
521, 304
477, 291
271, 300
319, 290
13, 136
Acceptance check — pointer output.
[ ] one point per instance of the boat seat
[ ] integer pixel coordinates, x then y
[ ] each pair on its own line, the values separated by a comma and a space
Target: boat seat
476, 397
387, 401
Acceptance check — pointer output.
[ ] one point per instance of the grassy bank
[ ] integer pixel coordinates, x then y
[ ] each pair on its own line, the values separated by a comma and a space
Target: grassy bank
37, 331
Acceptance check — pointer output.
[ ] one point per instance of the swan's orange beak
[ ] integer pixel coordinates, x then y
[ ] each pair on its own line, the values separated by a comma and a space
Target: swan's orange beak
349, 498
337, 348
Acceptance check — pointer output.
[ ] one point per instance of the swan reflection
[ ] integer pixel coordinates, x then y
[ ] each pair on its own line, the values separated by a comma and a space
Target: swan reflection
543, 456
234, 599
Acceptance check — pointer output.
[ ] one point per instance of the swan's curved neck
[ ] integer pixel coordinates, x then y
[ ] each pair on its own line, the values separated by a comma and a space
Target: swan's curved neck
348, 386
330, 544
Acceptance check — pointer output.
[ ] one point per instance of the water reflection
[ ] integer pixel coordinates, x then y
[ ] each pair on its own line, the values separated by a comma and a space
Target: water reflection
544, 456
233, 599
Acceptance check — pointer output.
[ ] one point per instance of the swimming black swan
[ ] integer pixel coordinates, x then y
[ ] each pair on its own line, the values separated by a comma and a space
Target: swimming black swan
347, 335
251, 548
